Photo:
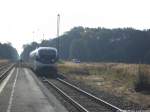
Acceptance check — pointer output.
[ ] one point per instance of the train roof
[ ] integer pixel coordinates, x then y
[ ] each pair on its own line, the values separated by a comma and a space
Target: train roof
51, 48
34, 52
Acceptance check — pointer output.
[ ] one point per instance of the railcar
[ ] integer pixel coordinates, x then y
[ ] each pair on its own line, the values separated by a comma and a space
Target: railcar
43, 59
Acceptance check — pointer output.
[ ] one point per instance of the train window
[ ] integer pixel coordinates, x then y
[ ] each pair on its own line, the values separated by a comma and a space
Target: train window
47, 52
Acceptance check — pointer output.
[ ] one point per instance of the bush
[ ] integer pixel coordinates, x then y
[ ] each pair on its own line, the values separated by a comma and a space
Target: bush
143, 81
60, 62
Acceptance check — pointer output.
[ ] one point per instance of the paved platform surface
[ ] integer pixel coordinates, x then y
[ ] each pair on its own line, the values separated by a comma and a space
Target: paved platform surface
21, 91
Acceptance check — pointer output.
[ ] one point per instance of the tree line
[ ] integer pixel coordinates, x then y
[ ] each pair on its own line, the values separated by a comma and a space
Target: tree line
7, 51
99, 45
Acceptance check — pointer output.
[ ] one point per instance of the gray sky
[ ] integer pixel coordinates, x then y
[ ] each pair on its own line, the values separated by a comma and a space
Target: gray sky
22, 21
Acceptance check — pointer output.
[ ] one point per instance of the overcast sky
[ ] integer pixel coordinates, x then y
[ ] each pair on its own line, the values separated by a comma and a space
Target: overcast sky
22, 21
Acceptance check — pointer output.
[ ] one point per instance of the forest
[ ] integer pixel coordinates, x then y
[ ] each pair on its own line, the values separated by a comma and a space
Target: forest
126, 45
7, 51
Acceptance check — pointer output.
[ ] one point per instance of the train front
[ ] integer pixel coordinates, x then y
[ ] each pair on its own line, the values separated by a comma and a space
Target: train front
46, 59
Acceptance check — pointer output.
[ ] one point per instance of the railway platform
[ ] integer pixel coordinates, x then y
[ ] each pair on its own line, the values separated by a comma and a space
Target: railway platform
21, 91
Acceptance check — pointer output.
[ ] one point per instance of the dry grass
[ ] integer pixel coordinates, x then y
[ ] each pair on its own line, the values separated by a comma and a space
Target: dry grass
3, 61
115, 78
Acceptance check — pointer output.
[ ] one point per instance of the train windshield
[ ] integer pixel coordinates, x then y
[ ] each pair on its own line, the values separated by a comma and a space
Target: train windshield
47, 52
47, 56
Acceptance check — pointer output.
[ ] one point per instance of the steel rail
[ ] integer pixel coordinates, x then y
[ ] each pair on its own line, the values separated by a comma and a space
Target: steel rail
4, 66
4, 75
110, 106
73, 102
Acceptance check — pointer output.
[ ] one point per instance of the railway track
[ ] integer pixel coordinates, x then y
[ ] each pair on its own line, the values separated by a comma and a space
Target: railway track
80, 99
2, 67
4, 71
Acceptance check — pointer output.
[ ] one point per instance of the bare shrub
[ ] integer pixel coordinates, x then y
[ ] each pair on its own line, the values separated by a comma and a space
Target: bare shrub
143, 81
